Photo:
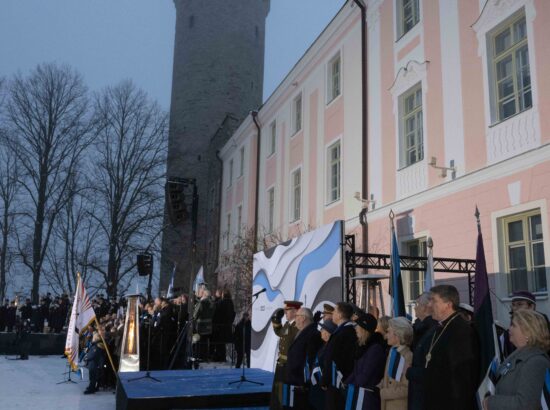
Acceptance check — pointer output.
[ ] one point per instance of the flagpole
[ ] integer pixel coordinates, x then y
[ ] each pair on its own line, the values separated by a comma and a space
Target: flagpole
105, 344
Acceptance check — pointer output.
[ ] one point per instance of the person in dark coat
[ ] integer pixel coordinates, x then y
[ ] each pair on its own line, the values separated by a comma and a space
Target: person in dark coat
203, 314
26, 310
224, 315
245, 326
3, 315
301, 357
11, 316
167, 328
423, 329
56, 316
316, 393
95, 359
370, 360
452, 361
339, 352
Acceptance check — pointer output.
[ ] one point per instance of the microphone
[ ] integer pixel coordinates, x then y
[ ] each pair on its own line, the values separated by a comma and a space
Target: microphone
259, 292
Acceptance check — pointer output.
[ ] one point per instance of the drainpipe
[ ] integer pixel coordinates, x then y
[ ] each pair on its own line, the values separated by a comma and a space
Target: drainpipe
257, 204
364, 128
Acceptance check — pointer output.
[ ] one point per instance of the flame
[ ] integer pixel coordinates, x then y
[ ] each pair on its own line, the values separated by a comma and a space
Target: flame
131, 335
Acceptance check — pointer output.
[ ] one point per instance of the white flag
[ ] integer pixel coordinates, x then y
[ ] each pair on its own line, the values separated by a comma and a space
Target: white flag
429, 280
199, 279
82, 314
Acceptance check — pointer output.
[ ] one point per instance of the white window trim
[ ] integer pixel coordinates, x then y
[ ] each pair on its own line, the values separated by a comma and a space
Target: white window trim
502, 137
242, 155
239, 225
272, 146
329, 98
328, 202
230, 173
403, 241
402, 155
293, 114
414, 178
494, 15
292, 219
268, 190
415, 30
498, 256
227, 231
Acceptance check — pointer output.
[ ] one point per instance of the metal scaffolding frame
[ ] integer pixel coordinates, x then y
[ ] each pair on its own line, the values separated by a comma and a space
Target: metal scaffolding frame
377, 261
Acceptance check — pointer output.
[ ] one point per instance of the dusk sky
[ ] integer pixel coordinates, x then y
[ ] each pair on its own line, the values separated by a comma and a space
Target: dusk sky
111, 40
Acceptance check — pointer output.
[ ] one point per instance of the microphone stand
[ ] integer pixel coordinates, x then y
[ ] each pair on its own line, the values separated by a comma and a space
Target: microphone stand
243, 378
147, 373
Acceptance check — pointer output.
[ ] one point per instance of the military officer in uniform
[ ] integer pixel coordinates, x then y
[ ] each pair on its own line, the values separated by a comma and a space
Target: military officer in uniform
286, 333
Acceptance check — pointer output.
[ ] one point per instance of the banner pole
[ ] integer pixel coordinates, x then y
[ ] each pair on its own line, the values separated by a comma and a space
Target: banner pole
105, 344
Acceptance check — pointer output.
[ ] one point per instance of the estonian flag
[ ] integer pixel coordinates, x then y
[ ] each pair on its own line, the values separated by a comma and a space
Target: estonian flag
545, 397
396, 285
397, 364
288, 395
337, 376
316, 373
355, 397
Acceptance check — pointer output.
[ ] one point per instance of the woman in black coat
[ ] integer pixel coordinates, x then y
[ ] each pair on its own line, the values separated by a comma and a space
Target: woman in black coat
369, 366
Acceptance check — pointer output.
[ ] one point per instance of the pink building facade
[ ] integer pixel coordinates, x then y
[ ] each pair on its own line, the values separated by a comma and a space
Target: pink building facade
310, 153
458, 116
462, 85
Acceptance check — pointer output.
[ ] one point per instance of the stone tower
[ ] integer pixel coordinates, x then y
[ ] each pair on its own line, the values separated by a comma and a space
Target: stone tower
217, 80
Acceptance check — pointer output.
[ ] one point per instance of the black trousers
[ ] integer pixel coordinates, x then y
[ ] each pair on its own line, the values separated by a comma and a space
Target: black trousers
275, 402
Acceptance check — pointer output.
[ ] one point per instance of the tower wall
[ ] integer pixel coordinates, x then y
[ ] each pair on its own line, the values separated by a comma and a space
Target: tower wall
217, 79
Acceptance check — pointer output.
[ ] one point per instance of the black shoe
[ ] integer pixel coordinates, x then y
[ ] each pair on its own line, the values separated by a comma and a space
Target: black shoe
88, 391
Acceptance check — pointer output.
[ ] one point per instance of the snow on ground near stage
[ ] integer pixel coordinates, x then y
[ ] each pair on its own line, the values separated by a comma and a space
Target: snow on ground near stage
28, 384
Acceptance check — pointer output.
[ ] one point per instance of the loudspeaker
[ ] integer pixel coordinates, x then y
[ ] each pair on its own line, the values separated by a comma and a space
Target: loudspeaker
145, 264
175, 200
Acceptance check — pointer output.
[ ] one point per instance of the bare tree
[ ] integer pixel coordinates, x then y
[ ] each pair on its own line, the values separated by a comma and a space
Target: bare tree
127, 180
237, 262
8, 193
48, 129
74, 236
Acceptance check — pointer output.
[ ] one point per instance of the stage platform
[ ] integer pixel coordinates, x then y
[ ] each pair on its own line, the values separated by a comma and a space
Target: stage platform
194, 389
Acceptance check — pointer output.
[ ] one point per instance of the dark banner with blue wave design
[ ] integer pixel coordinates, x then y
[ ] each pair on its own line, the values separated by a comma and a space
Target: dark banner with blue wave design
308, 268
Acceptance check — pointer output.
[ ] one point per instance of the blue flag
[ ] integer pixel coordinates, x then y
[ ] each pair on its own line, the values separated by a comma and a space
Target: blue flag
396, 284
355, 397
545, 397
288, 395
396, 365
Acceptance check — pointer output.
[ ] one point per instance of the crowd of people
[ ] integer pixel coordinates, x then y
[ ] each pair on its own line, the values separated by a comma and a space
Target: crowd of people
163, 331
346, 358
49, 315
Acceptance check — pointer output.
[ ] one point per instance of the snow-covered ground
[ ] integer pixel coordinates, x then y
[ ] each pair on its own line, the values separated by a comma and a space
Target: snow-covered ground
31, 384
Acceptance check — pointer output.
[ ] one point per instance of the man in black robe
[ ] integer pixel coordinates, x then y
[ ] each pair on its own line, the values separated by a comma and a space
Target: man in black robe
423, 329
452, 362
